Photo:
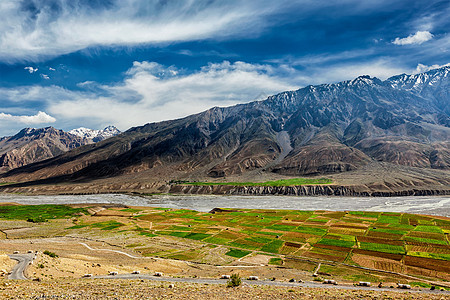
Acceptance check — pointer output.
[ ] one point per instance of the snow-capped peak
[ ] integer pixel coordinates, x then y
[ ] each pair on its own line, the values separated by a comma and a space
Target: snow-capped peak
418, 82
110, 131
95, 135
84, 132
363, 80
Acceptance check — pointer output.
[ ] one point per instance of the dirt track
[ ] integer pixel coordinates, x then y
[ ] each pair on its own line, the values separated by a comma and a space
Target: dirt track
23, 260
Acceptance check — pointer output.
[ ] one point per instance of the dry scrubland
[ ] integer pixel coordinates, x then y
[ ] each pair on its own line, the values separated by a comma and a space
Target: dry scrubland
137, 289
283, 244
6, 264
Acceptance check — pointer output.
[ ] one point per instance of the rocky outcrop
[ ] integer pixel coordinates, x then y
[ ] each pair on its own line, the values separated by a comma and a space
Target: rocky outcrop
143, 188
303, 190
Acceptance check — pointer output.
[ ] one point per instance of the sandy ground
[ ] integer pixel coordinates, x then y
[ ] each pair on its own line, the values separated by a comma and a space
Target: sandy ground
6, 264
144, 289
74, 260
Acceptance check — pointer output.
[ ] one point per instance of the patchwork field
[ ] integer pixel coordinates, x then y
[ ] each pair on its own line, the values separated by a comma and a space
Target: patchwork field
415, 245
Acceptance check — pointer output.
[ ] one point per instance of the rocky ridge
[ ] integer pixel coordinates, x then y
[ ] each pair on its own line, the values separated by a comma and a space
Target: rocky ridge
304, 190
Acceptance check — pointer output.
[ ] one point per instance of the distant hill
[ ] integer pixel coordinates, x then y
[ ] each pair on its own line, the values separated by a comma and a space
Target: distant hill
33, 145
402, 123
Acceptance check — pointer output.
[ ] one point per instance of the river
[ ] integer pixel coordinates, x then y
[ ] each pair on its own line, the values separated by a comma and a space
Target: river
433, 205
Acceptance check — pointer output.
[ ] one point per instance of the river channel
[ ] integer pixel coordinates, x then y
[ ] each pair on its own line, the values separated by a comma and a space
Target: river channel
433, 205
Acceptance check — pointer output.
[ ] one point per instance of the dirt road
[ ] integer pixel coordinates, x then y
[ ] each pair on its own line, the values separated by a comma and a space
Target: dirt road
24, 261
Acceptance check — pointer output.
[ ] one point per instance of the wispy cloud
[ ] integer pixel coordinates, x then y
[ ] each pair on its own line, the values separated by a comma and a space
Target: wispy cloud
418, 38
381, 68
335, 67
424, 68
40, 118
31, 29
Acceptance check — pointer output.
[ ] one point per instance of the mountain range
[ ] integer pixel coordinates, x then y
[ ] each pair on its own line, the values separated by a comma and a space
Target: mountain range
32, 145
385, 135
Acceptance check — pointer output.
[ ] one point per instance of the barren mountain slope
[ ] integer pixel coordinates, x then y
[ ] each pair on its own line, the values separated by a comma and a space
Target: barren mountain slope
32, 145
331, 128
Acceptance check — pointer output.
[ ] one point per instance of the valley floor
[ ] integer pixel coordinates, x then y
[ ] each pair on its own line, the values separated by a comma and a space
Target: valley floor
68, 242
144, 289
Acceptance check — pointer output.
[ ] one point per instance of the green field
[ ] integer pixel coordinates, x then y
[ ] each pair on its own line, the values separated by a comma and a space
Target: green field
191, 235
270, 231
38, 213
109, 225
335, 242
281, 182
391, 231
382, 248
237, 253
431, 229
276, 261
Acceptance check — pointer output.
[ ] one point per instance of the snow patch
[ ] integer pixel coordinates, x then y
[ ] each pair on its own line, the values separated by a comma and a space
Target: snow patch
95, 135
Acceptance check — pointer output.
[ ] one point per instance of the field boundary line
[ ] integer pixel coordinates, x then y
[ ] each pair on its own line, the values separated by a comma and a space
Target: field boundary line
110, 250
329, 262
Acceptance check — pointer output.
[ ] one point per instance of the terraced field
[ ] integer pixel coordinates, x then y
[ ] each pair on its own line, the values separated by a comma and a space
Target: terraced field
395, 242
418, 244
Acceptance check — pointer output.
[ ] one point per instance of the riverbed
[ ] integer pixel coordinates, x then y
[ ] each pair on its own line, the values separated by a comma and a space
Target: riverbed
431, 205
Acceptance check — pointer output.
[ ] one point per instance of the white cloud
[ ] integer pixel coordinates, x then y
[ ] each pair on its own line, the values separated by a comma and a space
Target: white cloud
40, 118
45, 76
152, 92
424, 68
31, 70
381, 68
334, 67
418, 38
41, 29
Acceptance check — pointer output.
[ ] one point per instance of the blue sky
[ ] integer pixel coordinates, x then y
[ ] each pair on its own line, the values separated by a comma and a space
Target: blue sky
92, 63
